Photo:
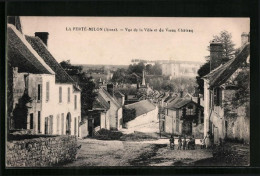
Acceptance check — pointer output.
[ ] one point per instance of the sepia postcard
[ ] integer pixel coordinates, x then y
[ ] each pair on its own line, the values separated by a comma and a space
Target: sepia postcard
127, 91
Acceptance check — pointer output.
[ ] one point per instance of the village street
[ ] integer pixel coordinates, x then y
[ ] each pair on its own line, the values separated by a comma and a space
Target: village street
127, 153
154, 152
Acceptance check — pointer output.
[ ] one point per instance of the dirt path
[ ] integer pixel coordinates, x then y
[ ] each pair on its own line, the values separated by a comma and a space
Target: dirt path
124, 153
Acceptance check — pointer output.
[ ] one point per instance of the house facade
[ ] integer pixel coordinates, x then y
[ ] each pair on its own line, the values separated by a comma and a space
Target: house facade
183, 117
115, 108
45, 99
222, 118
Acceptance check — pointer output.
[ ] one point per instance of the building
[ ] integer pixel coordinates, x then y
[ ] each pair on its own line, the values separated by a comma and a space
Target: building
176, 69
220, 87
184, 117
40, 84
144, 112
115, 107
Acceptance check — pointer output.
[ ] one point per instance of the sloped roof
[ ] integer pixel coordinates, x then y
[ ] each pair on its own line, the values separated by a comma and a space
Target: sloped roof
100, 103
141, 107
179, 103
41, 49
113, 99
118, 94
20, 54
221, 74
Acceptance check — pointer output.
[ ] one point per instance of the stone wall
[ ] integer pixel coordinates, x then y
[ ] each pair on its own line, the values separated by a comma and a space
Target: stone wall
198, 130
41, 152
238, 125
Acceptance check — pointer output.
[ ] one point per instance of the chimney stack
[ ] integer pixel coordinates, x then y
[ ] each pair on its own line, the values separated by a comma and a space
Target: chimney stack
15, 20
110, 89
43, 36
216, 54
244, 38
181, 94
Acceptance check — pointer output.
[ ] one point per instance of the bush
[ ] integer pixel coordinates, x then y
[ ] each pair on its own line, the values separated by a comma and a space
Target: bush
105, 134
138, 136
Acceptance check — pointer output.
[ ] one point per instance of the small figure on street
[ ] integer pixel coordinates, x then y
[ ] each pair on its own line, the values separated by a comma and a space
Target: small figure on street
202, 142
172, 142
207, 140
179, 143
191, 144
184, 143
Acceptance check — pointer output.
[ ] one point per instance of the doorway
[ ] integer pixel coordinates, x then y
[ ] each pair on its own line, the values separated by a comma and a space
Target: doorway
68, 124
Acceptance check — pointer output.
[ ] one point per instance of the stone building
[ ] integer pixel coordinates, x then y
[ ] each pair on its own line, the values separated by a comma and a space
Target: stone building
44, 97
183, 117
220, 88
176, 69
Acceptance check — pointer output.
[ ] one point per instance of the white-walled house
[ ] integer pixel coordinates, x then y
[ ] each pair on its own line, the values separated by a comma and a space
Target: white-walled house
115, 108
145, 112
220, 86
54, 106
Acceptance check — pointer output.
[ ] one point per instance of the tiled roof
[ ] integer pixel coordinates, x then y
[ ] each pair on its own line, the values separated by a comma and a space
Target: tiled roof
113, 99
20, 54
178, 103
118, 94
141, 107
221, 74
100, 103
61, 75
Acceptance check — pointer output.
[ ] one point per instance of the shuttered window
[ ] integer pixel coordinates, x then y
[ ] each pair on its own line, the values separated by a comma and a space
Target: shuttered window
68, 94
47, 91
75, 102
39, 121
62, 123
60, 94
58, 124
39, 92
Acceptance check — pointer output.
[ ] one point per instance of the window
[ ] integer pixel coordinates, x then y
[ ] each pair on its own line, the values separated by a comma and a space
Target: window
60, 94
62, 123
31, 121
190, 110
217, 97
39, 121
58, 124
68, 94
75, 126
51, 125
46, 125
39, 92
47, 91
75, 102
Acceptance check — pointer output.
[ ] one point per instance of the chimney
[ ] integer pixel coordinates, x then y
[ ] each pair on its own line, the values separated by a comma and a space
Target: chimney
15, 20
110, 89
43, 36
181, 94
244, 38
216, 54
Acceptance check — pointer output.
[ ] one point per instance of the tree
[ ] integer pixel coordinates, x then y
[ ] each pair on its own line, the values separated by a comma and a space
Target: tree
70, 69
86, 85
229, 52
226, 39
119, 75
203, 70
88, 95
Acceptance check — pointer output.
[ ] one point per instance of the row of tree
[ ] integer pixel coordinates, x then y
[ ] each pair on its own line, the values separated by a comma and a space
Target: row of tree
133, 74
85, 83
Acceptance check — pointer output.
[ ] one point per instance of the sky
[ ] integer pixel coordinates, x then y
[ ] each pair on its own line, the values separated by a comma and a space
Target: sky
71, 39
